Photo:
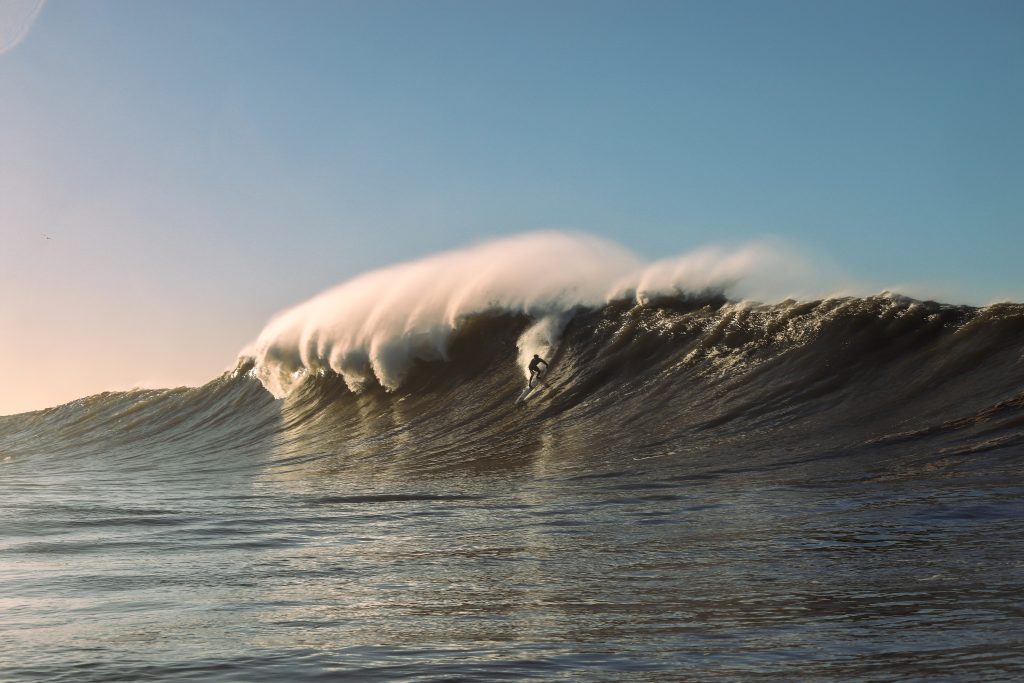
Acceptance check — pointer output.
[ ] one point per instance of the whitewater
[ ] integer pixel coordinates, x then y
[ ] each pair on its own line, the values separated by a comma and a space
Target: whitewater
741, 466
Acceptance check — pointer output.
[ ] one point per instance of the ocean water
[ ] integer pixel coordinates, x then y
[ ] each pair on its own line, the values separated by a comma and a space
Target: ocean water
703, 490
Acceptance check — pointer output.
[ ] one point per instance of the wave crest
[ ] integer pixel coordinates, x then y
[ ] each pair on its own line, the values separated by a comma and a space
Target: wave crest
371, 328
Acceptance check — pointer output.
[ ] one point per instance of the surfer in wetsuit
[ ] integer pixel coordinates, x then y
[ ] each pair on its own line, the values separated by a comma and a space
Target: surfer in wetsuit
535, 368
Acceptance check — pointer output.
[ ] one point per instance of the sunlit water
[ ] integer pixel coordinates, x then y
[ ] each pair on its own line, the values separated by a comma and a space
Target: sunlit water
642, 573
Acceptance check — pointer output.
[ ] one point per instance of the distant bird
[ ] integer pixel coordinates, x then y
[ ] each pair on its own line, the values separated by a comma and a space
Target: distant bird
47, 237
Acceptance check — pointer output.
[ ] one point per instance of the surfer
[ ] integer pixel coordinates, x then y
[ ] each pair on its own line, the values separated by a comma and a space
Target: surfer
535, 368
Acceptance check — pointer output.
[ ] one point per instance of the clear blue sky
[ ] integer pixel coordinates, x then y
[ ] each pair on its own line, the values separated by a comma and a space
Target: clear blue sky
201, 165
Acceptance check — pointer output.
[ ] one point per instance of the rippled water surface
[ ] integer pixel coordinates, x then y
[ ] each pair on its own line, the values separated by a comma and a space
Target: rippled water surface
540, 571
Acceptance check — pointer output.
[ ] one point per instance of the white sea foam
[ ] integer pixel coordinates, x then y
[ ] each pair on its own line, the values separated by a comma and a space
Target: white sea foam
379, 322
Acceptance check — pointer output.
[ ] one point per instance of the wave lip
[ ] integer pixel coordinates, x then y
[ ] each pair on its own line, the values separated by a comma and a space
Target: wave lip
372, 328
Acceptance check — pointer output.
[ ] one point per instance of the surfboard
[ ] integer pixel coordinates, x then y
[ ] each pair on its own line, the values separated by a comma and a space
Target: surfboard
527, 393
530, 391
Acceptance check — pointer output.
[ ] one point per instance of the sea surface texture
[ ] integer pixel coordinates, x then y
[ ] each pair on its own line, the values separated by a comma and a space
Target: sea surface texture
702, 491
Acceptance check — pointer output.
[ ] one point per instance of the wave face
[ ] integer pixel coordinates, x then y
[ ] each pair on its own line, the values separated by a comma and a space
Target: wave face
697, 379
692, 379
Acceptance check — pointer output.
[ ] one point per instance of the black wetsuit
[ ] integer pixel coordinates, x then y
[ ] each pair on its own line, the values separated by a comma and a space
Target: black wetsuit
535, 367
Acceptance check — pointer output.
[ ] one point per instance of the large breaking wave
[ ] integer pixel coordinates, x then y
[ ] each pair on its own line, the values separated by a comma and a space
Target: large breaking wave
422, 363
371, 328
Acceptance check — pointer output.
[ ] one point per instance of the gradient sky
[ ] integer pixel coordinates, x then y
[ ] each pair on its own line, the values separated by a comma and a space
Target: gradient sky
201, 165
